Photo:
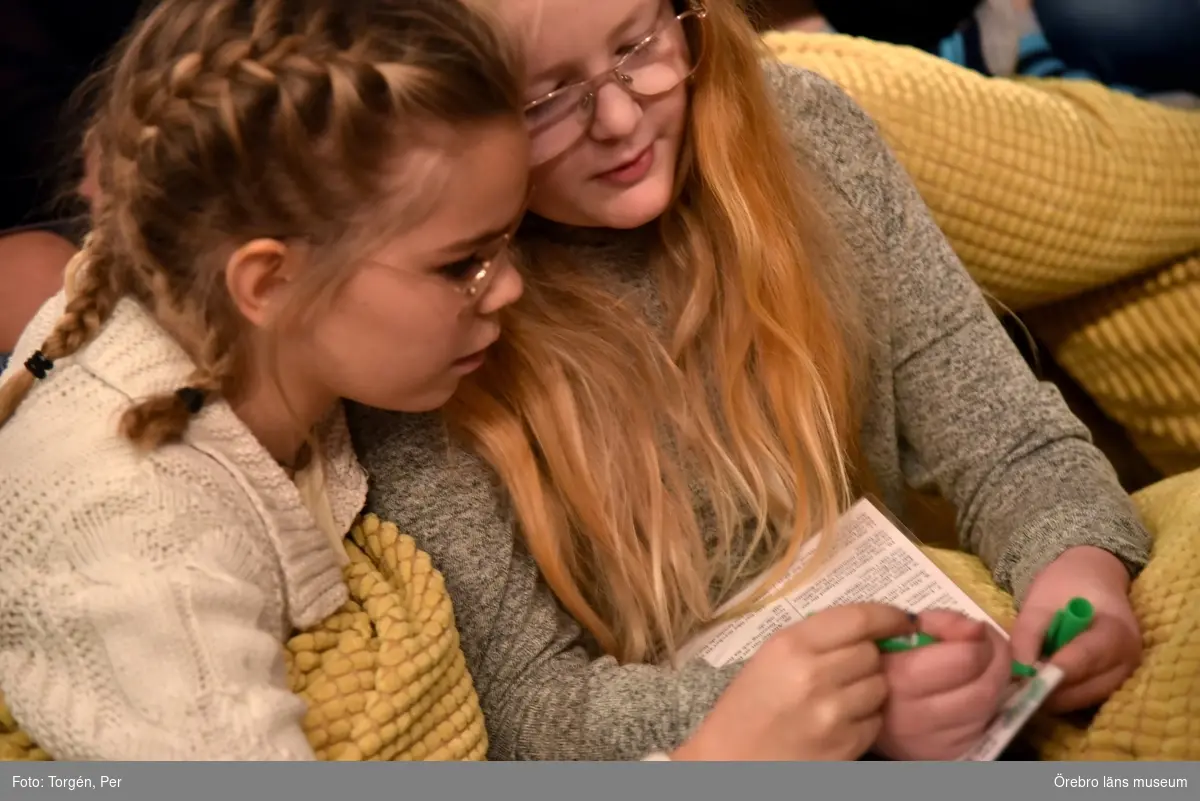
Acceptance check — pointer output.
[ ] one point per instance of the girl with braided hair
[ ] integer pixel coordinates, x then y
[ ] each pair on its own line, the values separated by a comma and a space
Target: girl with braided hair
299, 202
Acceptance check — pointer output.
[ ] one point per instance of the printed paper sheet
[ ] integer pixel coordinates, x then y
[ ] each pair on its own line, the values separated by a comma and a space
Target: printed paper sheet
871, 560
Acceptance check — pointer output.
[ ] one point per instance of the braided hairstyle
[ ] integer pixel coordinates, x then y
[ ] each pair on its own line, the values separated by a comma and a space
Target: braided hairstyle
222, 121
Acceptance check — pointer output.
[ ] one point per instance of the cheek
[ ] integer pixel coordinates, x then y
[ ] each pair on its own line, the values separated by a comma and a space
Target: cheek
558, 184
386, 342
669, 114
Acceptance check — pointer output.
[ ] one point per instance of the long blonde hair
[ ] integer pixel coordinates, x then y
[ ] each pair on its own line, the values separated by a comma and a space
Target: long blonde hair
603, 428
223, 121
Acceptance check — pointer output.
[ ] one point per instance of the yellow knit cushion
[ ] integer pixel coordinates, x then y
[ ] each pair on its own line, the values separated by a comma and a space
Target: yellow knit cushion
1135, 347
1046, 188
1155, 715
384, 678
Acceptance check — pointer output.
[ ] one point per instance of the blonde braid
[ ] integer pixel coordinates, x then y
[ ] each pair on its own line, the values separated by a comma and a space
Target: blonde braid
164, 418
199, 83
91, 297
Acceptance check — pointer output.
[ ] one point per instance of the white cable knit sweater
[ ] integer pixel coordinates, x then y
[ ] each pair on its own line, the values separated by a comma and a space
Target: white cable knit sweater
143, 599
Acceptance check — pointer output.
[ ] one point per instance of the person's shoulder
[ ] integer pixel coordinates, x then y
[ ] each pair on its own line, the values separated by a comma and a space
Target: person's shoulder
800, 87
824, 124
72, 481
36, 331
64, 462
807, 96
848, 165
417, 469
866, 190
405, 443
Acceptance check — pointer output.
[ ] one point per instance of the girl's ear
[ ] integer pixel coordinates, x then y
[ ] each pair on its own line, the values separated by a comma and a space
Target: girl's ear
258, 275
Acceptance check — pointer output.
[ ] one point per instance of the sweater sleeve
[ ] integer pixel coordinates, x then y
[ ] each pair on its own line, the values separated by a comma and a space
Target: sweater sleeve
1001, 446
543, 694
141, 630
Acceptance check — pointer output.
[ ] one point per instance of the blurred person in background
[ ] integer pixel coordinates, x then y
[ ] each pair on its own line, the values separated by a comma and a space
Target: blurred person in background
1146, 47
48, 48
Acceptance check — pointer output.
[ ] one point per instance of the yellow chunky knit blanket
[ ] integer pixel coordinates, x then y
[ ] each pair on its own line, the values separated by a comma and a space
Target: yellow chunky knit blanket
384, 678
1155, 715
1047, 188
1070, 202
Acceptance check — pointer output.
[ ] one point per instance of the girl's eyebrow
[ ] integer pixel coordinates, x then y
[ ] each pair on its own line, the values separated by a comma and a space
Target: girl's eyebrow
630, 25
475, 242
485, 237
566, 70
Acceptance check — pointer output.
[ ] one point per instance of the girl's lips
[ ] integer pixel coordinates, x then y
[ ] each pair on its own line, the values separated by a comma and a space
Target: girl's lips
631, 171
471, 362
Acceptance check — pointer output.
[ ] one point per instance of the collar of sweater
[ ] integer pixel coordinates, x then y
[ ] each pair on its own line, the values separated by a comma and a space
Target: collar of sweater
133, 354
635, 241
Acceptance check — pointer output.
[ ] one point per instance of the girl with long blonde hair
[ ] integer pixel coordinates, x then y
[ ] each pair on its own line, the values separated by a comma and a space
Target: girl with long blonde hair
738, 316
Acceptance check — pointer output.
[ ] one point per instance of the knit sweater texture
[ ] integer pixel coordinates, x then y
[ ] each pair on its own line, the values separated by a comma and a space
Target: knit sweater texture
951, 405
144, 597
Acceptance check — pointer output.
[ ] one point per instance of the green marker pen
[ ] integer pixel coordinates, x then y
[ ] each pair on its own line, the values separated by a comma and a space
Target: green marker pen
1069, 622
896, 645
1022, 670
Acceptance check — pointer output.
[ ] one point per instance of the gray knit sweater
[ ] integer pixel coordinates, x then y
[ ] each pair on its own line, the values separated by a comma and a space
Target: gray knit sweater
951, 404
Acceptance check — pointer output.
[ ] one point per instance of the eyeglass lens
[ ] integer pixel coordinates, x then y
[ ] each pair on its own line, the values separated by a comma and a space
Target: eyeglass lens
655, 66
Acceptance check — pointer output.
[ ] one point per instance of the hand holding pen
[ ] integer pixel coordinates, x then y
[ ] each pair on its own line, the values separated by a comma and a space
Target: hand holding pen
944, 686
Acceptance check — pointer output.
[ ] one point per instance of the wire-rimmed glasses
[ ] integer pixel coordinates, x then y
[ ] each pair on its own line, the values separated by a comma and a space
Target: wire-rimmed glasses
475, 283
654, 66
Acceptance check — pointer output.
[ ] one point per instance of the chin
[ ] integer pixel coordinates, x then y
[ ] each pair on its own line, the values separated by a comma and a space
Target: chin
434, 401
638, 205
428, 401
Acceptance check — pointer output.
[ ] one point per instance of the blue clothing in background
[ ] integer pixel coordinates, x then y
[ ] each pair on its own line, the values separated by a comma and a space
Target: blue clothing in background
1144, 47
1151, 44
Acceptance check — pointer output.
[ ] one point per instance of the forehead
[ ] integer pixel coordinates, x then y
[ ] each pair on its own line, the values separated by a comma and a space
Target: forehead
473, 181
562, 31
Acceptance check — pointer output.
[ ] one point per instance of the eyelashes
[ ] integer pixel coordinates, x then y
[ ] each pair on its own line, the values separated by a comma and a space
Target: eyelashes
462, 269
